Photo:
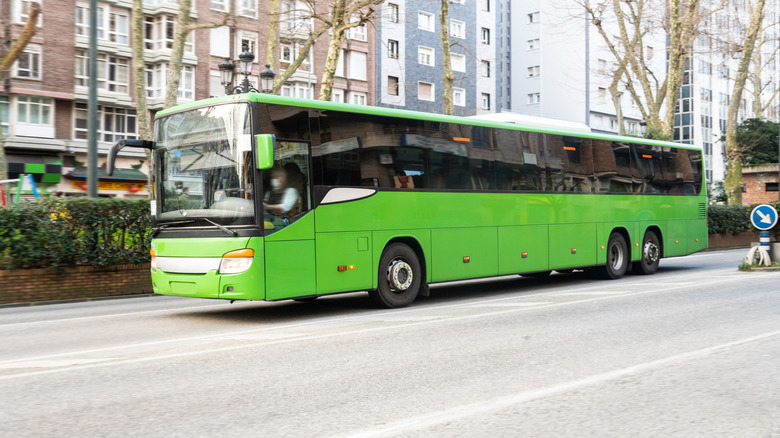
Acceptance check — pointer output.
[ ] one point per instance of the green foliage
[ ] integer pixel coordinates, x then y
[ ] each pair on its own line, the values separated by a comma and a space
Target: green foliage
67, 232
728, 219
758, 140
735, 219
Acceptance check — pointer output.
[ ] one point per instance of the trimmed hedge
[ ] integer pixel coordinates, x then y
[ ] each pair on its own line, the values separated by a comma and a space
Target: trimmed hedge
734, 219
67, 232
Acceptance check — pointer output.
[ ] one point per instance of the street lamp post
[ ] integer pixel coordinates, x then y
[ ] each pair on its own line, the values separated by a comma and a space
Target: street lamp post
245, 62
267, 77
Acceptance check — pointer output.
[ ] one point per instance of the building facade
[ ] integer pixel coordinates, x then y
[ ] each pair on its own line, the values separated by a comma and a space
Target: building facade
410, 67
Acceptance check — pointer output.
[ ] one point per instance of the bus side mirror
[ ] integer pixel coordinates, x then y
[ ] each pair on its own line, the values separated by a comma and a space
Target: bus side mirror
264, 151
145, 144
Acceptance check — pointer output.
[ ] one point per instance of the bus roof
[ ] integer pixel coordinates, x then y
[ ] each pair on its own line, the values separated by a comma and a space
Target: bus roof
512, 122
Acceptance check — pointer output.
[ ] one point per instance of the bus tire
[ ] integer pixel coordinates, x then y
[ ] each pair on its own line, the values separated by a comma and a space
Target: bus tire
399, 277
617, 257
651, 255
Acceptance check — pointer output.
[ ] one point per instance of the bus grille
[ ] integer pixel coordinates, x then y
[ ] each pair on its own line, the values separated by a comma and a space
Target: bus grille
703, 211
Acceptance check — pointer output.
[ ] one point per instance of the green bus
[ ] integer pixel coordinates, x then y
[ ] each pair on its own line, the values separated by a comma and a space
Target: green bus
262, 197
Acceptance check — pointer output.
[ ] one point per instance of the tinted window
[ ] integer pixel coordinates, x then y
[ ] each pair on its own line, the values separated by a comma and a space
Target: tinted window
570, 163
612, 165
648, 164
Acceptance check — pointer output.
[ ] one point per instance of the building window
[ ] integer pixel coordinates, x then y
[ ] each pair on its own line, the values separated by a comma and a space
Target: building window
425, 91
533, 44
485, 68
457, 29
113, 72
357, 65
219, 5
247, 8
393, 12
485, 101
485, 5
649, 53
602, 95
113, 123
425, 21
485, 35
534, 98
392, 49
392, 85
357, 98
28, 65
246, 41
112, 24
159, 32
534, 71
770, 187
533, 17
357, 33
300, 90
4, 114
459, 97
458, 62
21, 10
425, 55
337, 95
34, 110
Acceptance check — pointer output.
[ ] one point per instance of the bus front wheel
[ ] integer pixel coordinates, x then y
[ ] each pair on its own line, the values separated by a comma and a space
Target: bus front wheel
400, 277
651, 255
617, 257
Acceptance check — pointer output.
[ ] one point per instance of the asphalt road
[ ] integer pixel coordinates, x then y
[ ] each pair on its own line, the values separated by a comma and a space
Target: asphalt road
693, 351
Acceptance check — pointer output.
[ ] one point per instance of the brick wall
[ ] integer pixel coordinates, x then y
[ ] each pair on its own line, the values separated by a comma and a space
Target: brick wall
755, 179
34, 285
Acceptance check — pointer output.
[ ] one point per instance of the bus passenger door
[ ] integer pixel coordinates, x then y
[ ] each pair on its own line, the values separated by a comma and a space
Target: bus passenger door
289, 241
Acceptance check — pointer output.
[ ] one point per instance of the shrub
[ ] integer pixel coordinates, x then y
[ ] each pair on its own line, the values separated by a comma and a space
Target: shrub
734, 219
67, 232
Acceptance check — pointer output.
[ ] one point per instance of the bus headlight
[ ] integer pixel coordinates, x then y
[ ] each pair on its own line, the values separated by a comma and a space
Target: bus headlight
235, 262
154, 260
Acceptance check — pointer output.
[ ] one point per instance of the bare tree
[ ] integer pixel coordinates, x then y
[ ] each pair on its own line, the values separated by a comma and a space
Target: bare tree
344, 15
633, 20
733, 183
7, 59
184, 27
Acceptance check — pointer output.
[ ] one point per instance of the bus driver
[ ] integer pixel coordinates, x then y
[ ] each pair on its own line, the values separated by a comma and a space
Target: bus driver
281, 198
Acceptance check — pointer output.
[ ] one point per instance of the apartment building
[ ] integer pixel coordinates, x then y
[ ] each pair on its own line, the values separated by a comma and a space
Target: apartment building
43, 102
409, 72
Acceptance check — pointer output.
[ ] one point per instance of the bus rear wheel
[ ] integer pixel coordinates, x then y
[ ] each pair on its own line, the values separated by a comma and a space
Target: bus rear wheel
399, 277
617, 257
651, 255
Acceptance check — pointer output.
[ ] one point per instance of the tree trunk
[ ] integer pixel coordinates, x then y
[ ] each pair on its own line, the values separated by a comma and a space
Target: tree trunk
334, 48
447, 75
275, 8
733, 182
8, 59
139, 73
177, 53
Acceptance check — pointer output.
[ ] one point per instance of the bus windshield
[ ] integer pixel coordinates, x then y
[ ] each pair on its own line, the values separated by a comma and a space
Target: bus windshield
205, 166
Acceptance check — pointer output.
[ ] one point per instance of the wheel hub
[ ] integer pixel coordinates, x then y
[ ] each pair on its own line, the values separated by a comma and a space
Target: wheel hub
651, 252
399, 275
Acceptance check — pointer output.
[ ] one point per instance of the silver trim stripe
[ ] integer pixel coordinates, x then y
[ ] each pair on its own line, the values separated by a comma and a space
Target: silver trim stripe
188, 265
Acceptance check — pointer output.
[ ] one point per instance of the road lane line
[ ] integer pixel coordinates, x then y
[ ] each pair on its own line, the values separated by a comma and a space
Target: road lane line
420, 422
302, 337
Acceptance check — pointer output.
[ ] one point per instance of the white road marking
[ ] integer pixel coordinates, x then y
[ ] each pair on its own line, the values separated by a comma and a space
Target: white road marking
305, 336
421, 422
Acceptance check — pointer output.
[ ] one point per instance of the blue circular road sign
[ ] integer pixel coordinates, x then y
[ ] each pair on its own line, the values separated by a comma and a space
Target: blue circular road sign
764, 217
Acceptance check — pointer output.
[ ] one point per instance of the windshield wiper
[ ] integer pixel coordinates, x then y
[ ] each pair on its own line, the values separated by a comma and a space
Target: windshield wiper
221, 227
166, 225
